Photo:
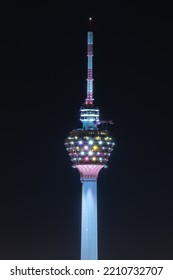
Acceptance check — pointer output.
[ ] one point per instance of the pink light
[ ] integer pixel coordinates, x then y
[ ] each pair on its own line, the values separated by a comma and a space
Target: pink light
86, 158
89, 170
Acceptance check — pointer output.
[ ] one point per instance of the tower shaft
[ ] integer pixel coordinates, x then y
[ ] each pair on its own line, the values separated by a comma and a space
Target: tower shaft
89, 246
89, 235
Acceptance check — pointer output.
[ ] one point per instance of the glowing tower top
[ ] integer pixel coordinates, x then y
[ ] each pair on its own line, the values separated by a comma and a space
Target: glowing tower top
90, 145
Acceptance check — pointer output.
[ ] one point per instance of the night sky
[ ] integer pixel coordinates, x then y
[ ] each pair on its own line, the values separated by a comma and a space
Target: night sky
43, 85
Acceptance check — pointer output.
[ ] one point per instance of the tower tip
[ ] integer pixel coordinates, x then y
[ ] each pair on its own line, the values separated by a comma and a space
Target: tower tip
90, 22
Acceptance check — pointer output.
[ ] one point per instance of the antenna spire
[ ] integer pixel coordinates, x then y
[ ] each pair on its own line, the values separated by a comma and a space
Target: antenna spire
90, 23
89, 99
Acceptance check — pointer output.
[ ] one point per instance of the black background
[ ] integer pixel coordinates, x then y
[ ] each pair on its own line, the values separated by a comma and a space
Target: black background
43, 85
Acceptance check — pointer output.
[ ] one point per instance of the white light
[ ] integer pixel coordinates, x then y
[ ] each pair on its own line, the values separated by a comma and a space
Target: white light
71, 143
86, 147
90, 142
90, 153
100, 159
100, 142
89, 115
80, 142
108, 143
89, 110
82, 153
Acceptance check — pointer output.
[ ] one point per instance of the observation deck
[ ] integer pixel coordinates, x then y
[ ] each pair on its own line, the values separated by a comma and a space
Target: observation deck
89, 147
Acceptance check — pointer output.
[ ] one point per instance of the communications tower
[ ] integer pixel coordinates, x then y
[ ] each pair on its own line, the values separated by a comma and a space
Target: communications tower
89, 148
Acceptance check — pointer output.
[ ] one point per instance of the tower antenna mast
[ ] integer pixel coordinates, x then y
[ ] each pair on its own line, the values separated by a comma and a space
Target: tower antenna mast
89, 99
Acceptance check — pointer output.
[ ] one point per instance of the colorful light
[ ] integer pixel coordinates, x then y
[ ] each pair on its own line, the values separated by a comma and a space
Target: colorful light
98, 138
95, 148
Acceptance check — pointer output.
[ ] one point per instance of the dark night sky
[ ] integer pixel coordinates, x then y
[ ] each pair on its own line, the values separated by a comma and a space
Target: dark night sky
43, 85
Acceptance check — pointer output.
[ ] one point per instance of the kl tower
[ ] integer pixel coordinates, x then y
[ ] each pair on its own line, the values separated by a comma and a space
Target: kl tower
89, 148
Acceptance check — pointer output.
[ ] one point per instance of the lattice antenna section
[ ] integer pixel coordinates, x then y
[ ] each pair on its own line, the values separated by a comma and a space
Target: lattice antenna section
90, 99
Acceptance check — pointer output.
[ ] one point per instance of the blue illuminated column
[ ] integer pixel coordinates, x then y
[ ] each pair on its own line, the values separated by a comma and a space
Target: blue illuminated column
89, 246
89, 239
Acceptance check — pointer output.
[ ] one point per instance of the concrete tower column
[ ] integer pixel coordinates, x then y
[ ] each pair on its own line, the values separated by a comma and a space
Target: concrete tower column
89, 235
89, 245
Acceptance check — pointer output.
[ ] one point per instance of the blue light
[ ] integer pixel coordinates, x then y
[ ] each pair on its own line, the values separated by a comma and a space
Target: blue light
89, 220
90, 142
